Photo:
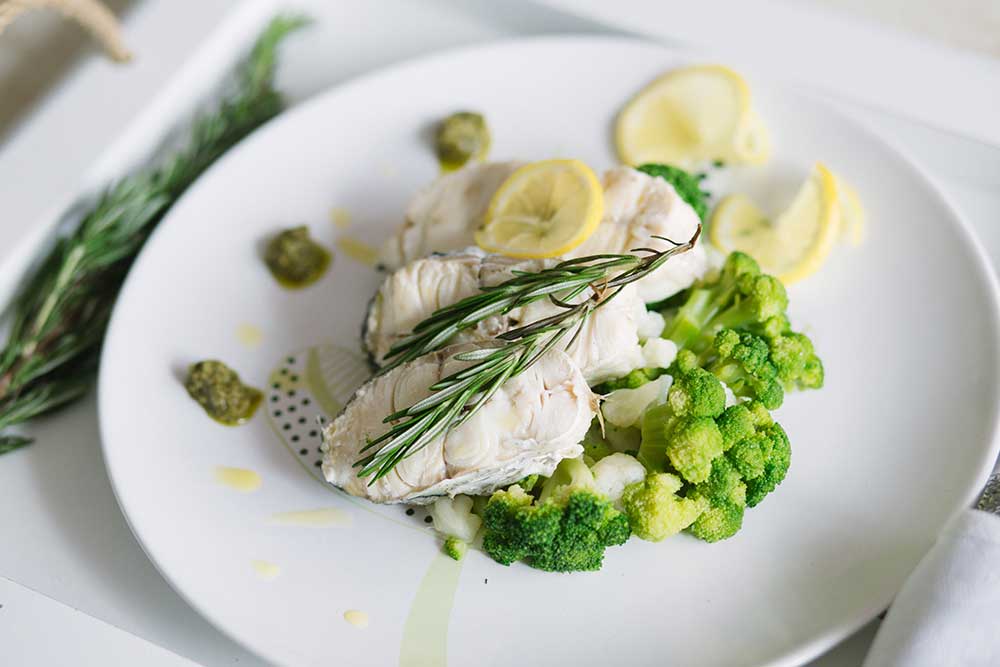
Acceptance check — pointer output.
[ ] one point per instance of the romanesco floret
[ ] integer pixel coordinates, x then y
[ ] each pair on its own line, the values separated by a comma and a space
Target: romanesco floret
654, 509
566, 530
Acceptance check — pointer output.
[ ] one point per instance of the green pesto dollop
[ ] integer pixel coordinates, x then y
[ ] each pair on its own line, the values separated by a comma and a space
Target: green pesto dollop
295, 260
217, 388
461, 137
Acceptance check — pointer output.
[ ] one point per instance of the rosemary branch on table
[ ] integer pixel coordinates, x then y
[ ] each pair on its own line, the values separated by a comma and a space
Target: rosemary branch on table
60, 315
455, 398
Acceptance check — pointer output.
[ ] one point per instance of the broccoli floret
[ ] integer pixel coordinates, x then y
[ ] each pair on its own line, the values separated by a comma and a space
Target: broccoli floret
742, 361
682, 430
633, 380
757, 448
654, 509
515, 527
740, 297
570, 474
755, 461
695, 392
685, 362
725, 494
758, 298
735, 424
694, 444
775, 465
772, 327
565, 531
688, 186
455, 548
528, 483
749, 456
589, 525
749, 346
795, 360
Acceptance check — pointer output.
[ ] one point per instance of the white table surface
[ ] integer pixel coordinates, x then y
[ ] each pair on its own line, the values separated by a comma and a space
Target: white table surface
63, 534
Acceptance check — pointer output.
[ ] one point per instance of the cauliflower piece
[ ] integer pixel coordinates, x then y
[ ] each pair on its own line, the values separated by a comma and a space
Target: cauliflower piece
650, 324
659, 352
624, 407
453, 517
613, 473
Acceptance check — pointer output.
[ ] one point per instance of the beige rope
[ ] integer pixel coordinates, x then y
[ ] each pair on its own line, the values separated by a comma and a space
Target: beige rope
91, 14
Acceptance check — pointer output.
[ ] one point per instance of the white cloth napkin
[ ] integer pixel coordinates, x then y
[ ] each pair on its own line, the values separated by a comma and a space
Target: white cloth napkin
948, 613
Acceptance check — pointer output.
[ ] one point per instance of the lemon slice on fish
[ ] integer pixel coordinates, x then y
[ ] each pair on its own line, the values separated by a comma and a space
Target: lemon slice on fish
792, 245
543, 209
690, 116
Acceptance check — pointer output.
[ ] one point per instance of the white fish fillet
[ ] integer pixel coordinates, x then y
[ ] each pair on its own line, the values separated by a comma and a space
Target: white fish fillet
638, 207
607, 347
443, 218
534, 421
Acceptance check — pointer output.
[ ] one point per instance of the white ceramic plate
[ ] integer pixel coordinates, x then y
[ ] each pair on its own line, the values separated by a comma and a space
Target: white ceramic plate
901, 437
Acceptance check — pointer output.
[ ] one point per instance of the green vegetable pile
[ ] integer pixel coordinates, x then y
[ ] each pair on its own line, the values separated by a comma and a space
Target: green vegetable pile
565, 529
707, 462
703, 464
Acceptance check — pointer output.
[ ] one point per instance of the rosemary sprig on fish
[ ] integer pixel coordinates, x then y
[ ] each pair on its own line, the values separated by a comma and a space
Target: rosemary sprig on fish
455, 398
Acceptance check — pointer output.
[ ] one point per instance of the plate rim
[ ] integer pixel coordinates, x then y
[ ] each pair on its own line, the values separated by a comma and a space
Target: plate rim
812, 647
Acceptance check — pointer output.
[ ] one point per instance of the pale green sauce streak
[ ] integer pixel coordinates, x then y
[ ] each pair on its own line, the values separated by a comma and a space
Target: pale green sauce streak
425, 635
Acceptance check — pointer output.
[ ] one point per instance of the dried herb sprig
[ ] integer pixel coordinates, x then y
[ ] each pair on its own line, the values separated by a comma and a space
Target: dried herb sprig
455, 398
60, 315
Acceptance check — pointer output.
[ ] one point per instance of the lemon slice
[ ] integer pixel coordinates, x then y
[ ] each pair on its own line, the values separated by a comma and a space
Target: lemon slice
753, 143
791, 246
852, 214
692, 115
543, 209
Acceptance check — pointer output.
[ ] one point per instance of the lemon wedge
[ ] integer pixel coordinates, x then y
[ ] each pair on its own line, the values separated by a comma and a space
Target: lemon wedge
689, 116
794, 244
543, 209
